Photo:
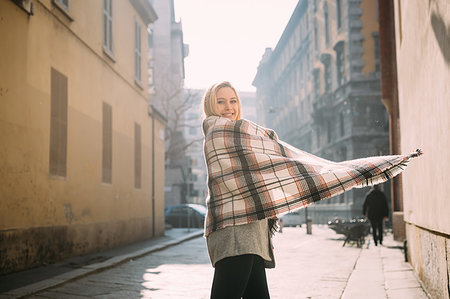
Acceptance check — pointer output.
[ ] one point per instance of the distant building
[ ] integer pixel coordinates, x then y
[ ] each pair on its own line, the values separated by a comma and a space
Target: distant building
415, 63
193, 136
319, 89
80, 148
166, 66
248, 102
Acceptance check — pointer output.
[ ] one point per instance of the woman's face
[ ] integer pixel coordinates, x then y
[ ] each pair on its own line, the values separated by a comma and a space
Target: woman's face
227, 103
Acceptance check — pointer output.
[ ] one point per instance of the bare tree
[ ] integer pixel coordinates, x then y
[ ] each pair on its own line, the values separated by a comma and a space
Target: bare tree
176, 144
173, 101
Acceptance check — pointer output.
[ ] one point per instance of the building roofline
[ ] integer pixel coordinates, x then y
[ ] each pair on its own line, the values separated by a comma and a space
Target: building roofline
291, 25
145, 10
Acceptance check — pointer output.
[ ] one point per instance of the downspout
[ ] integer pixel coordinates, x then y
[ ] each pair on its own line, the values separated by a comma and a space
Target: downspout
154, 113
389, 88
153, 174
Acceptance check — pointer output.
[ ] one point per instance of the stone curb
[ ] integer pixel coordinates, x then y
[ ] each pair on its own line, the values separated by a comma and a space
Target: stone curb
89, 269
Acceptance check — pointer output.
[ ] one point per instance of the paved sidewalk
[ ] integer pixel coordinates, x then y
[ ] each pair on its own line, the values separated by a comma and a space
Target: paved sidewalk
317, 266
308, 266
381, 272
27, 282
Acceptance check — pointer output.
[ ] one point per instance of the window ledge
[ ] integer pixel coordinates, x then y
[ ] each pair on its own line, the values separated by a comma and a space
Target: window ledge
63, 10
57, 177
138, 84
109, 54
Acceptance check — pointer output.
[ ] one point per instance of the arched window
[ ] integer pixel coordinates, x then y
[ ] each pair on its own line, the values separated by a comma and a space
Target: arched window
339, 13
316, 38
326, 25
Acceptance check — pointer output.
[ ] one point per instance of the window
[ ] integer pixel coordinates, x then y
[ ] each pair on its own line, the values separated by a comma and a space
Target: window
326, 24
107, 27
150, 40
306, 18
318, 136
340, 67
316, 74
300, 71
107, 144
376, 42
302, 112
343, 154
137, 51
308, 64
193, 162
339, 48
137, 156
150, 61
64, 4
339, 13
316, 38
150, 76
329, 131
327, 76
377, 13
341, 123
58, 124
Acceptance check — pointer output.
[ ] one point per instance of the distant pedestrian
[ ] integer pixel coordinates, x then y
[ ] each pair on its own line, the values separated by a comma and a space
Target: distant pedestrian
253, 178
375, 208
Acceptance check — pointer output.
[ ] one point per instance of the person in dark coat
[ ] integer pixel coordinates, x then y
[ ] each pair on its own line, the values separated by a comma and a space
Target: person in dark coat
375, 208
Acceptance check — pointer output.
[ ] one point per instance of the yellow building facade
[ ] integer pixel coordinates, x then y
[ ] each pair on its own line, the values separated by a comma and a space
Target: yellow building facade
81, 149
422, 42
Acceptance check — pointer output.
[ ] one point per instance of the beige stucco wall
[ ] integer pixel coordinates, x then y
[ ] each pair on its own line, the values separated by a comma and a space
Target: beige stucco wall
423, 59
45, 218
424, 92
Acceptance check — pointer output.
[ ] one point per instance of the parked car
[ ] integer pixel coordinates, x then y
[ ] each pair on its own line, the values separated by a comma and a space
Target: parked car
292, 219
185, 215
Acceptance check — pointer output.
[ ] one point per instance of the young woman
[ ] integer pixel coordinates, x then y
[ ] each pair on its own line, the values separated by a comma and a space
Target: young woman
239, 253
252, 178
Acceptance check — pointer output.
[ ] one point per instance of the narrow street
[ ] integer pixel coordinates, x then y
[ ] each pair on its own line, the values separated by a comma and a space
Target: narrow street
181, 271
308, 266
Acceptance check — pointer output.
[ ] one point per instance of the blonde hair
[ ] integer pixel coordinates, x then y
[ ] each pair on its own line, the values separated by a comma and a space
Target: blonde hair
210, 99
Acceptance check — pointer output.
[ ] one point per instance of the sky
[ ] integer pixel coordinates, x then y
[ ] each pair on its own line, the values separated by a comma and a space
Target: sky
227, 38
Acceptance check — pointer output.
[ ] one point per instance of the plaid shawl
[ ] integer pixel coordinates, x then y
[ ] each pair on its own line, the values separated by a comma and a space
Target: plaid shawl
252, 175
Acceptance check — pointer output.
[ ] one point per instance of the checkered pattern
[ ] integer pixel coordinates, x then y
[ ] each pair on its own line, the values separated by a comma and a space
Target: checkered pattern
252, 175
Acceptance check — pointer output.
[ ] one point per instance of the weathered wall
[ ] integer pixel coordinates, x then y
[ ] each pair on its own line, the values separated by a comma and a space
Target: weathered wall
423, 60
44, 218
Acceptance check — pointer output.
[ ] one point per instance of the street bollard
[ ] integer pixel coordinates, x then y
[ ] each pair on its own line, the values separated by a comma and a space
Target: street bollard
405, 250
309, 226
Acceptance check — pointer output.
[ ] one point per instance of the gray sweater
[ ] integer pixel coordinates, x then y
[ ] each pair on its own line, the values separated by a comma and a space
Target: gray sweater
252, 238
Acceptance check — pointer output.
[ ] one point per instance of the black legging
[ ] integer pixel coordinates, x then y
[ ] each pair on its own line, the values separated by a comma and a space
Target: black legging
242, 276
377, 230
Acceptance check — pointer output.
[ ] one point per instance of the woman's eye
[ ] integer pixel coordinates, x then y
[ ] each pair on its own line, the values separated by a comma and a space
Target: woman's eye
219, 102
233, 101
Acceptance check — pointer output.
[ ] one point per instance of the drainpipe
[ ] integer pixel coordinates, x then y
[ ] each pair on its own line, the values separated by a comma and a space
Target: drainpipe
389, 88
153, 174
154, 113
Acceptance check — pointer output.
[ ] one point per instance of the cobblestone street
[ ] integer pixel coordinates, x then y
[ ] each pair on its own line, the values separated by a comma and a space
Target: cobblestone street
308, 266
181, 271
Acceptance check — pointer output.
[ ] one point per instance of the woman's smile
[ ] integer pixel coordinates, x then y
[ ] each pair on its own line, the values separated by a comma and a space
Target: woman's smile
227, 103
